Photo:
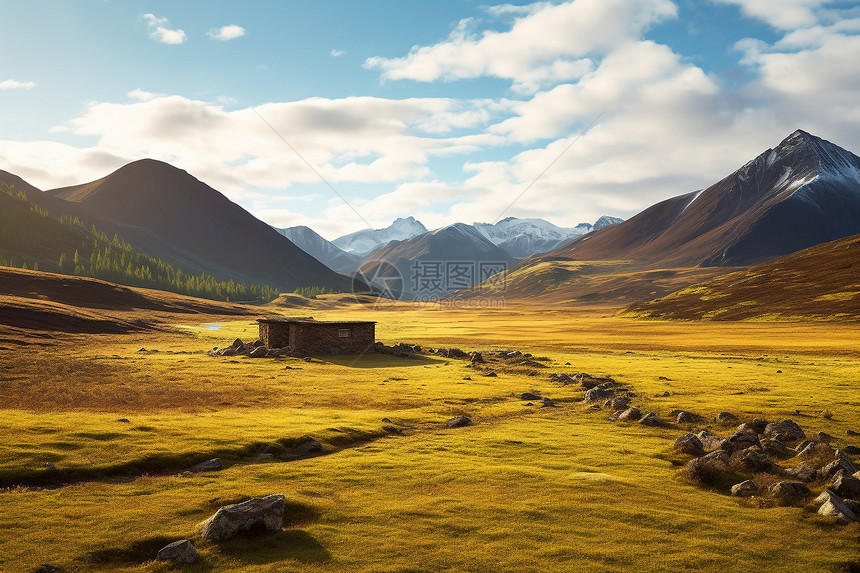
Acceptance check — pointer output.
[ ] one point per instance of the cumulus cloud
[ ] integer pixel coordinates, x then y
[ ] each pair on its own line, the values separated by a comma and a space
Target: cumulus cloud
785, 15
159, 31
11, 84
224, 33
545, 45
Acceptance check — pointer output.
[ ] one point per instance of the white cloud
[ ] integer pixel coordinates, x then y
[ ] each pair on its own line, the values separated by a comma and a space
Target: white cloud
159, 31
784, 15
11, 84
141, 95
336, 53
547, 44
225, 33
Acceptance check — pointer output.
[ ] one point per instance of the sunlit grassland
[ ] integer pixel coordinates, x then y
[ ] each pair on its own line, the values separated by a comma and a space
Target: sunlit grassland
524, 489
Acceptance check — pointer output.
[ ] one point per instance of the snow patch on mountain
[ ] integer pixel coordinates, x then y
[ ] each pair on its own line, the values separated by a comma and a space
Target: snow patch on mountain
364, 241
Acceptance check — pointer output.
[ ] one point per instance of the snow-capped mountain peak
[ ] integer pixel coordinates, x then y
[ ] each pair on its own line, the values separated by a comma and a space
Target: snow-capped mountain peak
364, 241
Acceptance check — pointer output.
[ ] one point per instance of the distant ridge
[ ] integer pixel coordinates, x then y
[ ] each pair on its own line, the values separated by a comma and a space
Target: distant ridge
804, 192
167, 213
322, 250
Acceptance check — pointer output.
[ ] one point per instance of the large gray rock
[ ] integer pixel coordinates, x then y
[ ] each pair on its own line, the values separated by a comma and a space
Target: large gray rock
804, 471
689, 444
597, 394
746, 488
809, 449
685, 417
629, 415
833, 506
775, 448
458, 422
179, 552
846, 486
839, 463
740, 440
259, 352
756, 461
726, 418
256, 516
784, 430
709, 440
790, 492
650, 419
212, 465
709, 468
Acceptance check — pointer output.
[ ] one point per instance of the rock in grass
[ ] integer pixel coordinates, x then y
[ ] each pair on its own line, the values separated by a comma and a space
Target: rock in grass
784, 430
259, 352
852, 450
834, 506
50, 466
179, 552
789, 492
629, 415
709, 440
846, 486
650, 419
739, 441
746, 488
529, 396
459, 422
307, 445
726, 418
689, 444
548, 403
597, 394
618, 403
775, 448
851, 433
685, 417
839, 463
804, 471
254, 517
755, 461
709, 468
212, 465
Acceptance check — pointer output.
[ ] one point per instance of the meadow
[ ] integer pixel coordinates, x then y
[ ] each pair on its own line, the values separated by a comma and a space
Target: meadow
524, 489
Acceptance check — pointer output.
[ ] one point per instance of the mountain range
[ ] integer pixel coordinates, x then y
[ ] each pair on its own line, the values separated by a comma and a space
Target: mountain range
804, 192
165, 213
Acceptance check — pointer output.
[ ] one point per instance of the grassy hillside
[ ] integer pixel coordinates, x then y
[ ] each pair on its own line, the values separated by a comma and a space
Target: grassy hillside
31, 237
822, 282
524, 489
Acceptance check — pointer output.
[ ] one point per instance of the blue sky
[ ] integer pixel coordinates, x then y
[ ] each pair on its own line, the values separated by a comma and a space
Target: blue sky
445, 110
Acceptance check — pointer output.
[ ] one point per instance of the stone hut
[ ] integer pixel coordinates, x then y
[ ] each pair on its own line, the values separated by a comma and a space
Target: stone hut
309, 336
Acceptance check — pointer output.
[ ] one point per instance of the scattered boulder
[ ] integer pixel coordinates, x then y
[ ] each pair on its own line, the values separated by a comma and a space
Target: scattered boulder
563, 378
459, 422
757, 425
755, 461
709, 440
476, 358
650, 419
851, 433
665, 394
179, 552
588, 381
685, 417
618, 403
846, 486
50, 466
784, 430
746, 488
852, 450
547, 403
804, 472
726, 418
810, 449
467, 377
825, 437
490, 374
307, 445
834, 506
630, 415
212, 465
709, 468
529, 396
689, 444
597, 394
739, 441
839, 463
775, 448
254, 517
123, 420
789, 492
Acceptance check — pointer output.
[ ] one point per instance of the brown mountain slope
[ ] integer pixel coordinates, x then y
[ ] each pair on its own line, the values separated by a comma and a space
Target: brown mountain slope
170, 214
821, 282
37, 301
804, 192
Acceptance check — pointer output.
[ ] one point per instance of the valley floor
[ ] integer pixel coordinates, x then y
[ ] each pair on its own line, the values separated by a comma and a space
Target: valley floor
524, 489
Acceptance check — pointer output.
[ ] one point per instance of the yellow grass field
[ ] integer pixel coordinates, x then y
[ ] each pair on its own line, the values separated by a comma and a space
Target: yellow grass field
524, 489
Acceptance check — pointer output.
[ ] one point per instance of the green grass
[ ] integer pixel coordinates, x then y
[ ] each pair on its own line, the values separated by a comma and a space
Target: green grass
525, 489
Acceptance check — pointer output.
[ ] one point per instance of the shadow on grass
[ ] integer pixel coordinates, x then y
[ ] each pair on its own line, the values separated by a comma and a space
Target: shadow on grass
291, 544
381, 361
